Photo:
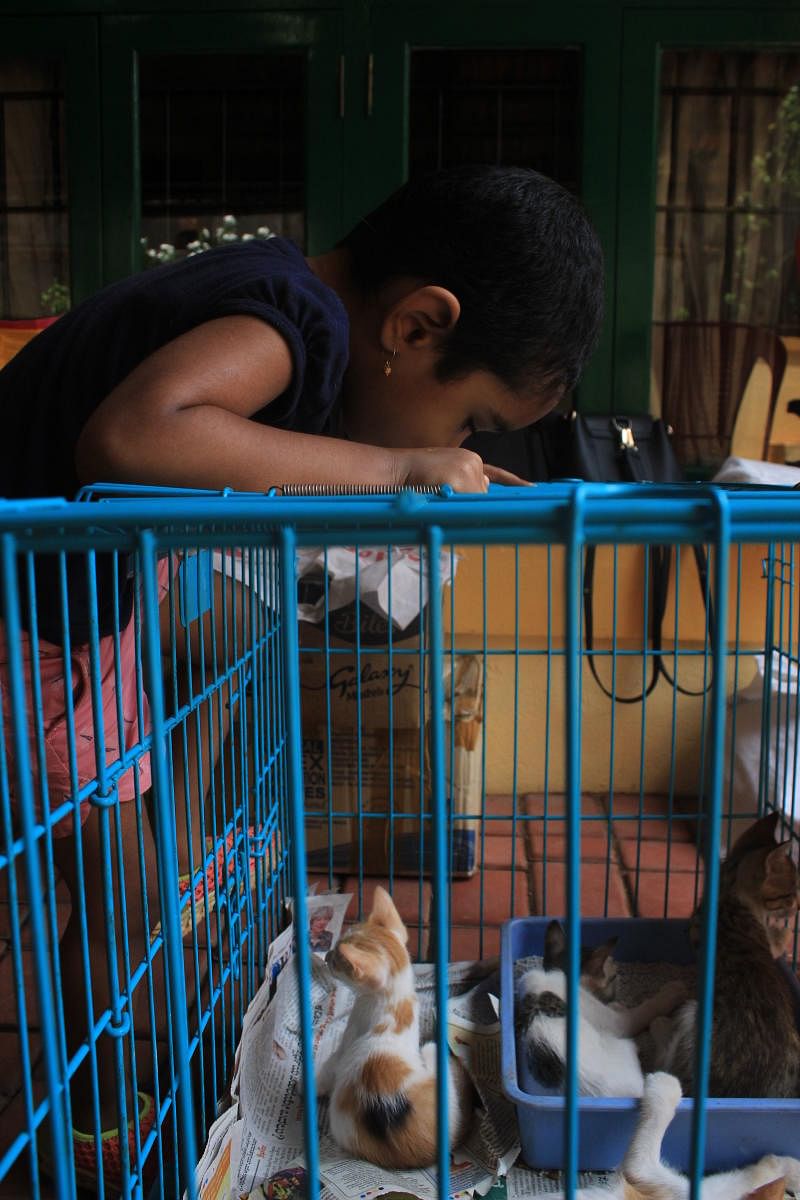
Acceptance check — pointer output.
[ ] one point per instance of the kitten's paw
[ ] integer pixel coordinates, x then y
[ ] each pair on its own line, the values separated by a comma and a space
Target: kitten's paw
789, 1168
673, 994
663, 1087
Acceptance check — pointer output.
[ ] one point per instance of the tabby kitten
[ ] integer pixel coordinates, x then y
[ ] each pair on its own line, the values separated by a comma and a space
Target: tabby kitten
755, 1048
382, 1086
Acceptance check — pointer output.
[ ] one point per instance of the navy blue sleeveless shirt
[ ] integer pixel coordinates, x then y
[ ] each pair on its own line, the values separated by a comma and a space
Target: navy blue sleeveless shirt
51, 387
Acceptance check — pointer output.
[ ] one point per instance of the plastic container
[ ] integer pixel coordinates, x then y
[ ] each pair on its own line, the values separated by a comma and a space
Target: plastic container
738, 1131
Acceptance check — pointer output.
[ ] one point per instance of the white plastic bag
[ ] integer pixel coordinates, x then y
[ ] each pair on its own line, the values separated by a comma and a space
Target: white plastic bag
763, 723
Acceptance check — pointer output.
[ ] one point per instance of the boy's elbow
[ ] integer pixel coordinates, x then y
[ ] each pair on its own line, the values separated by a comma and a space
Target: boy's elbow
107, 450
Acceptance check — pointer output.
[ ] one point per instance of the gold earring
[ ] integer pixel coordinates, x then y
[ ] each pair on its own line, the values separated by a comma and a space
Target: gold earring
387, 366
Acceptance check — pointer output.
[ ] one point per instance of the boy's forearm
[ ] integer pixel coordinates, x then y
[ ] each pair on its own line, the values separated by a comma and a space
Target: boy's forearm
209, 447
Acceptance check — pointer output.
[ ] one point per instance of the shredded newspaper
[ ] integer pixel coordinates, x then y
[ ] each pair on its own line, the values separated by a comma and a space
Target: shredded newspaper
255, 1149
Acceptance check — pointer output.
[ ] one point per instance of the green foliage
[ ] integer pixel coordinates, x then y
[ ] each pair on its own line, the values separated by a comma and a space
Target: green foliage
762, 260
228, 231
55, 300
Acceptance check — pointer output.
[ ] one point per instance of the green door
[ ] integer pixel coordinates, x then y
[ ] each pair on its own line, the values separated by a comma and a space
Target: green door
707, 281
49, 163
505, 84
237, 115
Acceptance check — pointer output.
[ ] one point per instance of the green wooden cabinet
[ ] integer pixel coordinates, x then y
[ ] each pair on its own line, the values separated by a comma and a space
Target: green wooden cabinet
368, 71
128, 41
71, 44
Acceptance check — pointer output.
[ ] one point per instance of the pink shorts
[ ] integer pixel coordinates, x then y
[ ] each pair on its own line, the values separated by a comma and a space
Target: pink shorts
56, 725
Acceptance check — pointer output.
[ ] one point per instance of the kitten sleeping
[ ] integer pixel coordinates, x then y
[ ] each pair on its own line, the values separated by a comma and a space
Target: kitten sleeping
643, 1176
755, 1048
608, 1058
382, 1086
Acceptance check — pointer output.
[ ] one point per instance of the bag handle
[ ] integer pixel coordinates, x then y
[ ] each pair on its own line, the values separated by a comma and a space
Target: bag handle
660, 564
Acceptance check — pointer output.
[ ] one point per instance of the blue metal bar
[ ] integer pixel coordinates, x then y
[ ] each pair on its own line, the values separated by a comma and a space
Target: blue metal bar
167, 854
55, 1086
441, 891
705, 1002
294, 760
573, 561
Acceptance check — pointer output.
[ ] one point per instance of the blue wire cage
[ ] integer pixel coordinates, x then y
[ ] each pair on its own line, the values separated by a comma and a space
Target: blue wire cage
170, 776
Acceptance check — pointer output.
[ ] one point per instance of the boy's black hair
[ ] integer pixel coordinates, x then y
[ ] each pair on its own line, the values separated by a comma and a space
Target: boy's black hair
517, 251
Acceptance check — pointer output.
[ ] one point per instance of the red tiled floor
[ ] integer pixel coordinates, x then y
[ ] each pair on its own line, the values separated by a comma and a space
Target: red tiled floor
324, 884
656, 825
659, 856
550, 843
536, 804
652, 888
499, 821
503, 853
412, 904
493, 889
593, 890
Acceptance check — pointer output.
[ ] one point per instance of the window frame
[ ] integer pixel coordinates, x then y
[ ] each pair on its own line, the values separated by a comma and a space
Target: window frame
395, 31
74, 41
124, 38
646, 35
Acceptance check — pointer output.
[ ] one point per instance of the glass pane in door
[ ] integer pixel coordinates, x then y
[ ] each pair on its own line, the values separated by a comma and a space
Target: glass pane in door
515, 107
222, 148
726, 304
34, 227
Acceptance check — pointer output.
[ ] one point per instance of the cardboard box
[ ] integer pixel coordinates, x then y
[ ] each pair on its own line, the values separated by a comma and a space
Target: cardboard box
367, 788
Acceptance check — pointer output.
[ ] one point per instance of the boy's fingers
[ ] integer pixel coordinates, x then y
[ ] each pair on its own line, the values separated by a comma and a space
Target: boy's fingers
498, 475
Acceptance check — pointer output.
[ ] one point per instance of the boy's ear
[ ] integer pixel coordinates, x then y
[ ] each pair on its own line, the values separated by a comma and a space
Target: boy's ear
419, 319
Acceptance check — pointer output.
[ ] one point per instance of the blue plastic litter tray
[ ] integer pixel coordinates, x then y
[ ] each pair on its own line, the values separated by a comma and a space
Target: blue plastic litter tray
738, 1131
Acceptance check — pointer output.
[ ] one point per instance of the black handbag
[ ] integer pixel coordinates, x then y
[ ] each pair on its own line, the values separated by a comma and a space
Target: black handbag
605, 449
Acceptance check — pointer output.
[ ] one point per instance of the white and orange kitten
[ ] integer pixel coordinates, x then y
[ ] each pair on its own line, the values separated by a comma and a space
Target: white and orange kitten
381, 1084
643, 1176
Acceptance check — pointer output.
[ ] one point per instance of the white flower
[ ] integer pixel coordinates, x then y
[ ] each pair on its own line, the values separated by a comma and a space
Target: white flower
230, 237
264, 231
248, 237
229, 221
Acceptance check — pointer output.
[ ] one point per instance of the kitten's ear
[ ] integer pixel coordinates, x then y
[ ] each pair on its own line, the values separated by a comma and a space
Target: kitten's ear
597, 958
385, 914
760, 834
555, 947
779, 889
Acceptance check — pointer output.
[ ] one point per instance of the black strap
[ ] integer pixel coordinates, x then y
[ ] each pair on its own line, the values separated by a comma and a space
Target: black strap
660, 558
660, 564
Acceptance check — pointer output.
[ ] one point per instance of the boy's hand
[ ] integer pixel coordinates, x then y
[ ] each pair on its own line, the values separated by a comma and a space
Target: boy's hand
462, 469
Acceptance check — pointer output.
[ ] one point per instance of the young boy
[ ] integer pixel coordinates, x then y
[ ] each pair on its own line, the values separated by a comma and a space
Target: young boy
470, 300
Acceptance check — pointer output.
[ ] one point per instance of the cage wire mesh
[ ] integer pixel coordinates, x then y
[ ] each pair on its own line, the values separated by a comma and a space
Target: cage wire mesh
212, 703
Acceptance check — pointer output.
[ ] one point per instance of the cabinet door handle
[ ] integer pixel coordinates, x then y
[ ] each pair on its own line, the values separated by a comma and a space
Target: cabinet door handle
341, 85
370, 82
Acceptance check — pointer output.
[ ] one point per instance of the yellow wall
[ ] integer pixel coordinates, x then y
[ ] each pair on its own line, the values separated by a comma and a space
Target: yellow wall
541, 604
